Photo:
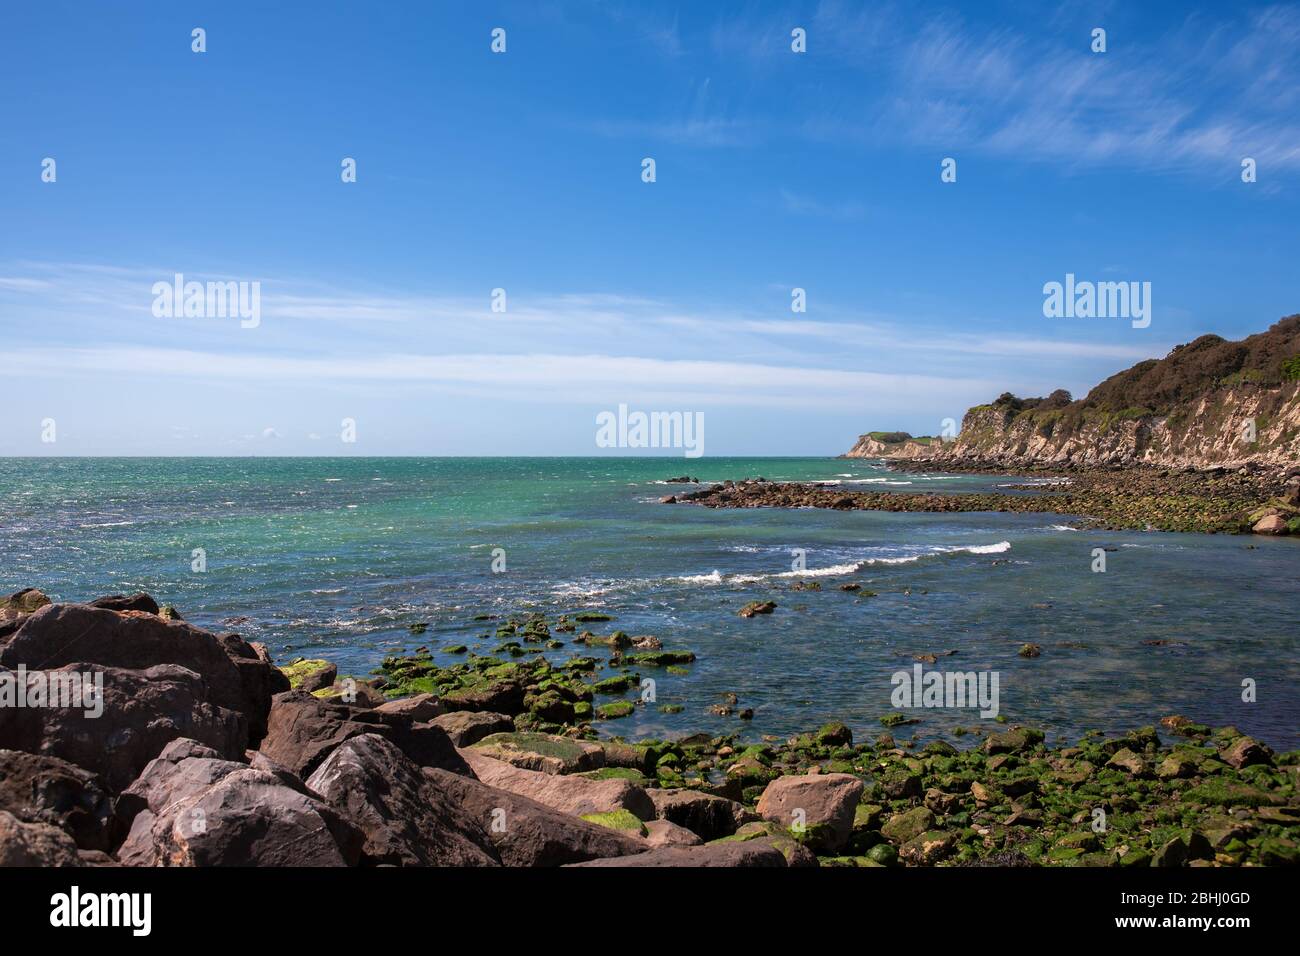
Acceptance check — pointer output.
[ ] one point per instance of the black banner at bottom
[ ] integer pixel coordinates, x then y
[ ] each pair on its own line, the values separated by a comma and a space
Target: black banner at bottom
315, 906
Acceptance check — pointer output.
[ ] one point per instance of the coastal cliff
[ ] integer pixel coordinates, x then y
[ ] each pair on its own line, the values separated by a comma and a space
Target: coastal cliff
1209, 404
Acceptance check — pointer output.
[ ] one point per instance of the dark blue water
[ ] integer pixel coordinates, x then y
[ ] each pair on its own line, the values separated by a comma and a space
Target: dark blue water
336, 557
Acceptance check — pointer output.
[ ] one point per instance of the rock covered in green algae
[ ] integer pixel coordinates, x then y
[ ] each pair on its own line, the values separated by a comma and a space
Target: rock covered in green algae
543, 752
1215, 797
309, 674
615, 709
621, 820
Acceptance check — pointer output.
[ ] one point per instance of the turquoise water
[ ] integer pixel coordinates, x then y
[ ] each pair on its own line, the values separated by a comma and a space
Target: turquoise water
336, 557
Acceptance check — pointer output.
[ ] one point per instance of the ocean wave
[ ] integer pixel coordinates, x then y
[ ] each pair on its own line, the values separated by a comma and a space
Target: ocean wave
107, 524
998, 548
839, 570
595, 589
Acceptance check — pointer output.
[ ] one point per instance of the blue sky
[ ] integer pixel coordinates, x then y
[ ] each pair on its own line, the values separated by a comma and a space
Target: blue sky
522, 171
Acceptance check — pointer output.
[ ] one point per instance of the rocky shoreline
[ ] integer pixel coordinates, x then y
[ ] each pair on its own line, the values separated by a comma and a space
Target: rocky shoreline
1135, 498
205, 753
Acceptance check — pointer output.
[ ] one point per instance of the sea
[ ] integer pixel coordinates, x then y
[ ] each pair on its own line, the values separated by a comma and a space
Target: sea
337, 558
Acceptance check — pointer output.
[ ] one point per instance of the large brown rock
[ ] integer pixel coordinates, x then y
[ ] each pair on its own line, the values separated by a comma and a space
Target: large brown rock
544, 752
34, 844
502, 697
526, 833
660, 833
1270, 524
821, 804
747, 853
143, 711
60, 634
302, 730
247, 817
121, 602
407, 821
42, 789
259, 682
467, 727
705, 815
1245, 751
185, 768
421, 708
568, 794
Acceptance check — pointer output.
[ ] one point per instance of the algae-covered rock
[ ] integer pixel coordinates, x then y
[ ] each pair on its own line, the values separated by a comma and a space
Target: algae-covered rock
620, 820
908, 825
544, 752
615, 709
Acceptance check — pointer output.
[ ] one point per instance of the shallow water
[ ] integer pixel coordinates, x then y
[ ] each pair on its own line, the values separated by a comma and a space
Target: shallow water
336, 557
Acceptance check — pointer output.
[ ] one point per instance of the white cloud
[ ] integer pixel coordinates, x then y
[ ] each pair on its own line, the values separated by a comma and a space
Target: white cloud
541, 377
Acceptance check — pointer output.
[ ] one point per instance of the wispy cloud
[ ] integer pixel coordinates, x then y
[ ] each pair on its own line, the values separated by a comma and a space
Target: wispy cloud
1200, 95
82, 299
543, 377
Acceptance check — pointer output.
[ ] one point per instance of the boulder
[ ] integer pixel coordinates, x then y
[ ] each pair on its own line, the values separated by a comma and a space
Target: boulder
707, 816
185, 768
143, 710
22, 603
927, 849
749, 853
544, 752
34, 844
121, 602
259, 682
1270, 524
1131, 763
422, 708
302, 730
779, 838
1245, 751
121, 632
1016, 740
61, 634
310, 675
500, 697
353, 692
406, 819
908, 825
246, 818
568, 794
526, 833
43, 789
661, 833
466, 727
821, 805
